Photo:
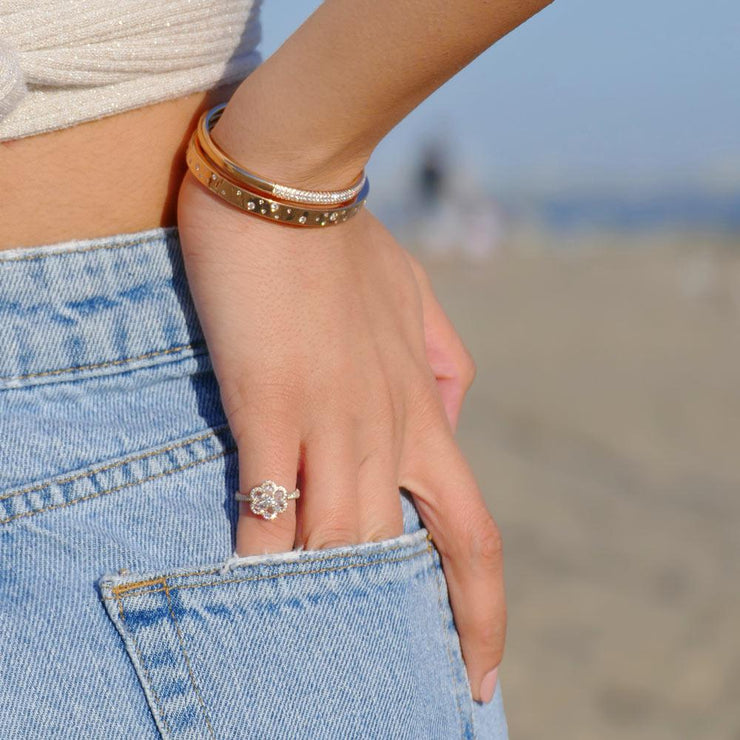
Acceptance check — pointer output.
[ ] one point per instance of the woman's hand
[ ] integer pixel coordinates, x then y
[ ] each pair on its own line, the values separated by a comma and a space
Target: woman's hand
339, 373
450, 361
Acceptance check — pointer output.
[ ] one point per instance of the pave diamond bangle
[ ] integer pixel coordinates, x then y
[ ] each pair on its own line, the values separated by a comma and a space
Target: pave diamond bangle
282, 192
259, 204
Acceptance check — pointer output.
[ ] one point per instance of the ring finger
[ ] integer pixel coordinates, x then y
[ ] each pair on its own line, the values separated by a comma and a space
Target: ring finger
266, 457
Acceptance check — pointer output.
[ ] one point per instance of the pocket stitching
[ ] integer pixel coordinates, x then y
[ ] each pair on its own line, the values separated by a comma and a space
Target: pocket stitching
445, 632
128, 484
118, 463
187, 662
106, 363
99, 479
139, 655
119, 591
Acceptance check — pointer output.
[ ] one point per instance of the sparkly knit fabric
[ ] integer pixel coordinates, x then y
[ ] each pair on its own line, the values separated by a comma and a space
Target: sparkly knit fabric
67, 61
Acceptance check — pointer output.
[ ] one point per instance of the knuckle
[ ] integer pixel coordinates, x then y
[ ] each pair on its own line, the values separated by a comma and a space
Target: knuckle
468, 368
378, 444
381, 418
386, 524
336, 536
491, 635
425, 404
420, 273
245, 402
329, 541
486, 545
270, 394
368, 460
381, 533
258, 380
489, 632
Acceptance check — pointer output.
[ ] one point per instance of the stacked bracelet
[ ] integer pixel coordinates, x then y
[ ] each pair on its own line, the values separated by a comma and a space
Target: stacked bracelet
317, 197
256, 195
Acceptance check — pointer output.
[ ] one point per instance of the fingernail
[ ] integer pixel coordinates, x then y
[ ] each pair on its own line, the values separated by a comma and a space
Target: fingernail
488, 686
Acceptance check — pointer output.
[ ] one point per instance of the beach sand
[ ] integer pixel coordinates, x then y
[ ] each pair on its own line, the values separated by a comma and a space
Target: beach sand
604, 429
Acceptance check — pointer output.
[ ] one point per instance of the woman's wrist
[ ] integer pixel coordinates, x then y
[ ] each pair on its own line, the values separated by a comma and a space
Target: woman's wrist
312, 113
274, 142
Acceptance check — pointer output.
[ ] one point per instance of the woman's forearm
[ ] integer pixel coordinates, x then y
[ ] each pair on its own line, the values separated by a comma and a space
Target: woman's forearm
313, 112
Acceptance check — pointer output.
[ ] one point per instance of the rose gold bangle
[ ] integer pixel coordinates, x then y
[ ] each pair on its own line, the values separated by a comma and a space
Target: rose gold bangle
258, 203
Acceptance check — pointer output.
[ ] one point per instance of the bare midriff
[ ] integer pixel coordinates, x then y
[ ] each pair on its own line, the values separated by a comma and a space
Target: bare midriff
117, 174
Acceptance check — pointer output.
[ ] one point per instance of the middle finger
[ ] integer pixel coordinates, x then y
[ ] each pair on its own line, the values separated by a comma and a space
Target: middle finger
327, 512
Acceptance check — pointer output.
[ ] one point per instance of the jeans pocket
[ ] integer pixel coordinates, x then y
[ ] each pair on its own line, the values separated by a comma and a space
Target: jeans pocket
349, 642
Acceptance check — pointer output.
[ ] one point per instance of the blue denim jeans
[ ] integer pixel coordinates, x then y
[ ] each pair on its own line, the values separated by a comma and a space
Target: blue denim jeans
124, 612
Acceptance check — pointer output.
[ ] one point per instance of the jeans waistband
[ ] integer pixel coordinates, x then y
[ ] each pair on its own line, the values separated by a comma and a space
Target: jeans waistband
94, 307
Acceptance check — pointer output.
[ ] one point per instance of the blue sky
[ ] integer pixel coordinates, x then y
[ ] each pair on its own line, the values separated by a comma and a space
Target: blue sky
630, 92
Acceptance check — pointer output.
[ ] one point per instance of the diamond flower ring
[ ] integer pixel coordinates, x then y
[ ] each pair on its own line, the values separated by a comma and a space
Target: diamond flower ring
268, 499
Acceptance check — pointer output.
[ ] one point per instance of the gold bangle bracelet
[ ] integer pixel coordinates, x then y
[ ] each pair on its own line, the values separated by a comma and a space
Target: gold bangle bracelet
282, 192
258, 204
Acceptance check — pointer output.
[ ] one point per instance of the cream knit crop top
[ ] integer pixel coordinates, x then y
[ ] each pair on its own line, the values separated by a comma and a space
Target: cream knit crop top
67, 61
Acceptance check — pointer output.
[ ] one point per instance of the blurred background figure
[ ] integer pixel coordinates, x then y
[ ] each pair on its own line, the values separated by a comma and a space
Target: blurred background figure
575, 196
448, 213
433, 214
432, 175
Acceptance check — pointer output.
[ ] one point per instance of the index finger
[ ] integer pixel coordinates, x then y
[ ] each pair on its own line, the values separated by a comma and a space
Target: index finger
469, 543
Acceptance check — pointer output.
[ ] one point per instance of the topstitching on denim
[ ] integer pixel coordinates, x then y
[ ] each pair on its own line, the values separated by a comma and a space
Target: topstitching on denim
454, 658
93, 307
182, 348
282, 565
116, 475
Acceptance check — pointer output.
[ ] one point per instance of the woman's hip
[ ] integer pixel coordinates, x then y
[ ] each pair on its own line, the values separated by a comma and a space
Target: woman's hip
122, 608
